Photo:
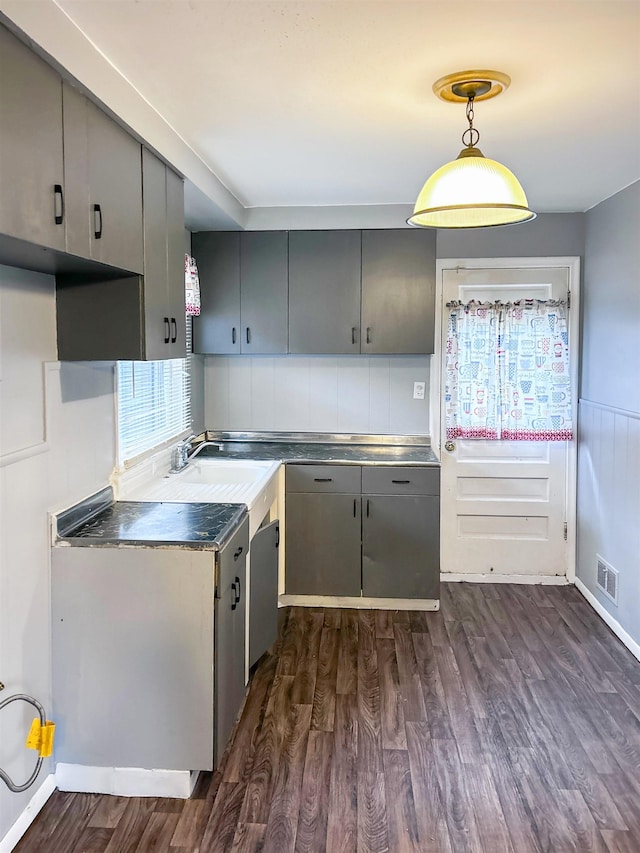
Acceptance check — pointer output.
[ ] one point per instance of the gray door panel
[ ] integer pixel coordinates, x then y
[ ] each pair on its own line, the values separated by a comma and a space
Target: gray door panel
264, 288
263, 595
323, 544
31, 162
217, 329
398, 291
230, 637
76, 172
324, 291
175, 264
156, 313
401, 546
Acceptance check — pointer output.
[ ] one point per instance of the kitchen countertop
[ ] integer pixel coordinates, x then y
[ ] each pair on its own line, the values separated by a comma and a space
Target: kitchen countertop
345, 452
205, 526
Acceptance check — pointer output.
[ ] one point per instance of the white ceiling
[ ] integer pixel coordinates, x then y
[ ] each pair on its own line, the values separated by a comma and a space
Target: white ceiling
330, 103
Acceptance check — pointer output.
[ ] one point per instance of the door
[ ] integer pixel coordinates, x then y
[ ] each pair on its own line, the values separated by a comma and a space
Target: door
398, 291
263, 595
115, 176
324, 292
157, 320
400, 546
504, 503
264, 287
31, 168
323, 544
230, 637
217, 330
175, 264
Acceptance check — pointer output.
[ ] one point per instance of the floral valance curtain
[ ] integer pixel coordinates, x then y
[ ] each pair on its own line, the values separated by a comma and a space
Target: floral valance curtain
507, 371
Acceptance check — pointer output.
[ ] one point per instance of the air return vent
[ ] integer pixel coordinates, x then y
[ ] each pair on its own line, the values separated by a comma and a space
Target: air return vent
607, 579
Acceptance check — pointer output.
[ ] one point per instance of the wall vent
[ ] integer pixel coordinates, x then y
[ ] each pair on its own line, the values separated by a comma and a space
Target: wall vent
607, 579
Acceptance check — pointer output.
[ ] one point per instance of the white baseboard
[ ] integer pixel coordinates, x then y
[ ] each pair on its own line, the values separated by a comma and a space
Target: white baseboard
126, 781
613, 623
549, 580
30, 813
358, 602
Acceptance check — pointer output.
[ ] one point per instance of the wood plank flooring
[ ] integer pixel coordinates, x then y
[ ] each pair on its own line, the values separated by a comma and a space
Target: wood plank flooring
509, 722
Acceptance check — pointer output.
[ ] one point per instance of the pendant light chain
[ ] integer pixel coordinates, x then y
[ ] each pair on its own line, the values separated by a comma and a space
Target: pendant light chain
471, 132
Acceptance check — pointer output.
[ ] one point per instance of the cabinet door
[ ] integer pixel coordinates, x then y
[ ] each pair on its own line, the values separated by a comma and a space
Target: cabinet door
401, 546
230, 637
31, 159
157, 320
175, 264
263, 595
217, 329
264, 287
77, 219
115, 181
324, 291
398, 291
323, 544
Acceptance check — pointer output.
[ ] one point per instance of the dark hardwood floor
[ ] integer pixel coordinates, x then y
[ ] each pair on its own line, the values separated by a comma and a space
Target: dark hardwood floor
508, 722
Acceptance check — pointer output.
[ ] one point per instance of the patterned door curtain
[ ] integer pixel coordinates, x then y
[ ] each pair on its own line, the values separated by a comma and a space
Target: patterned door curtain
507, 371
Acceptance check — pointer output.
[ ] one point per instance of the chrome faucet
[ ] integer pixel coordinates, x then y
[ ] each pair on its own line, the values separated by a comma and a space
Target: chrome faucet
182, 453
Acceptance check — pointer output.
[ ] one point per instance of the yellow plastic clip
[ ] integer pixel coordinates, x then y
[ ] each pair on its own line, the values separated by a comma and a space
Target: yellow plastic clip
41, 737
47, 735
34, 737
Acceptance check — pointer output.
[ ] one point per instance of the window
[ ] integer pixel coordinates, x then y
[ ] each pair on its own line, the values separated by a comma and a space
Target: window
154, 403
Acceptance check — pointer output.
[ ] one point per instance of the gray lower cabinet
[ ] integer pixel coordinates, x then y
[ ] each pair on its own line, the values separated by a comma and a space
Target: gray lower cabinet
381, 540
263, 593
401, 546
324, 292
148, 655
31, 159
398, 291
230, 636
244, 289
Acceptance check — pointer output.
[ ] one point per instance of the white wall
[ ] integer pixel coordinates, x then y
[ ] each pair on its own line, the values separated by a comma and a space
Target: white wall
56, 447
609, 416
350, 394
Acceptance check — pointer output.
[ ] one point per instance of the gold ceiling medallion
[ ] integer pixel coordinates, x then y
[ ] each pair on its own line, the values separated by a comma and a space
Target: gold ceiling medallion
471, 191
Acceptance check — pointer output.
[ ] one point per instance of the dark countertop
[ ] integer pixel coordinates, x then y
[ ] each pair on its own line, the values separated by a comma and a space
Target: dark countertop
204, 526
344, 453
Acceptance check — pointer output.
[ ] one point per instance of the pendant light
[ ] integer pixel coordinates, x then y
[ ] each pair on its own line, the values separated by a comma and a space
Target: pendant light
471, 191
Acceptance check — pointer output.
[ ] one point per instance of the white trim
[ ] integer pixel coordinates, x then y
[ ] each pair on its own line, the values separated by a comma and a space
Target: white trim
547, 580
573, 265
126, 781
359, 602
26, 818
616, 410
604, 614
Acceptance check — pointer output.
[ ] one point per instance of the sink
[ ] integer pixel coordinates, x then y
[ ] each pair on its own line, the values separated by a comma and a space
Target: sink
213, 480
217, 473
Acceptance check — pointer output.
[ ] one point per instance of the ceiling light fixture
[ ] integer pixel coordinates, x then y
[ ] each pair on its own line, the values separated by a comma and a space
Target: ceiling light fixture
471, 191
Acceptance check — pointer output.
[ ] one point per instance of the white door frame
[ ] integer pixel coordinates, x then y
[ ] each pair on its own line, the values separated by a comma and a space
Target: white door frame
435, 414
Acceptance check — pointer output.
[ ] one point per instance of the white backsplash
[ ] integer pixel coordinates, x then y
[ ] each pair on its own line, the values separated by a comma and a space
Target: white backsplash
350, 394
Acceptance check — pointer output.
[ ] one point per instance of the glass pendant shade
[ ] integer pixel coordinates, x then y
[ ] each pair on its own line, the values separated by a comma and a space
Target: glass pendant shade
471, 192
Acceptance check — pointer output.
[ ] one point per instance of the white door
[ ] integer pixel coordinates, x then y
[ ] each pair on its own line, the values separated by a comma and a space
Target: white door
504, 504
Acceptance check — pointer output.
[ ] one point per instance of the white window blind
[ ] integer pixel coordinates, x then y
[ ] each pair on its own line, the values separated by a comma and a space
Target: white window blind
154, 403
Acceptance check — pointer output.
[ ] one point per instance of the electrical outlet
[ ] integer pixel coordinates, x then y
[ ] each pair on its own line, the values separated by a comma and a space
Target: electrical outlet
418, 390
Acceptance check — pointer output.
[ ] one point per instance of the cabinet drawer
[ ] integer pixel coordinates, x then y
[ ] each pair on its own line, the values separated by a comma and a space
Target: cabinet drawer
400, 481
324, 478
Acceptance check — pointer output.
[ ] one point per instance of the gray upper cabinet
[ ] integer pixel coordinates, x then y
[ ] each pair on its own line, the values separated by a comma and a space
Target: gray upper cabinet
115, 193
264, 287
244, 287
135, 317
217, 330
31, 161
324, 291
164, 309
398, 291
